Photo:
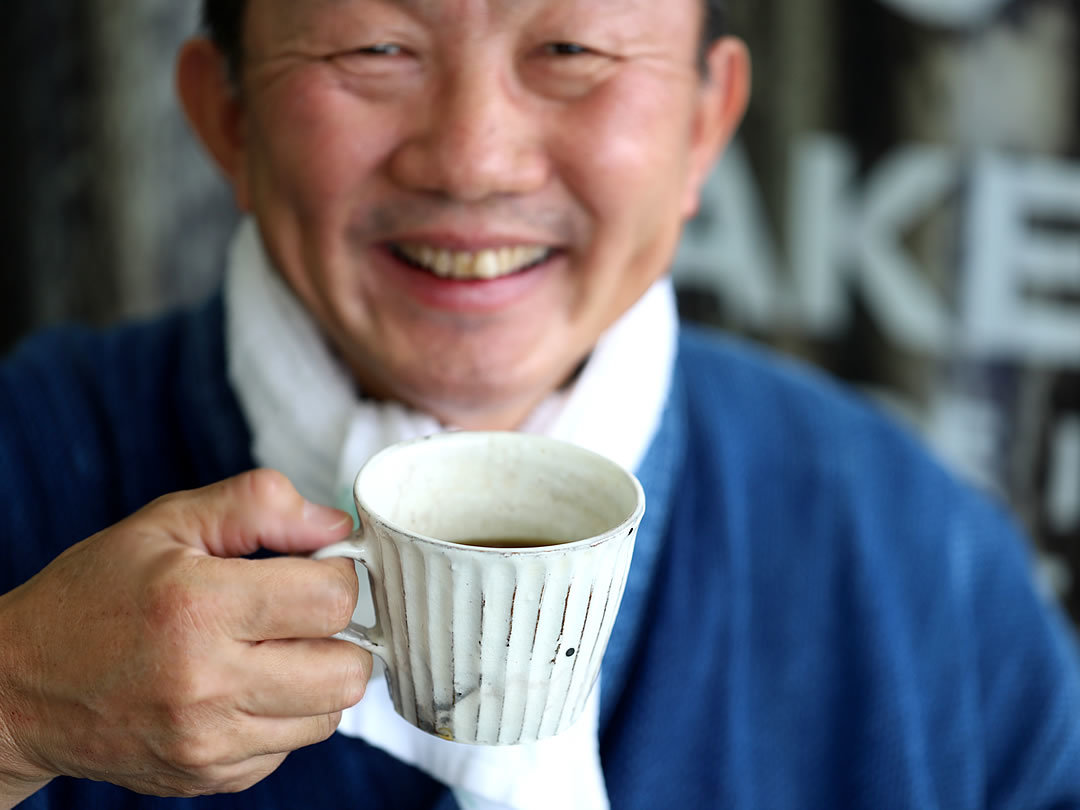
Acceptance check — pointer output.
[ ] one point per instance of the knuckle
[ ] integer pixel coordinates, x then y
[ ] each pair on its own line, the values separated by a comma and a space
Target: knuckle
193, 754
172, 606
341, 601
168, 501
178, 703
352, 693
171, 512
201, 745
354, 677
186, 603
264, 486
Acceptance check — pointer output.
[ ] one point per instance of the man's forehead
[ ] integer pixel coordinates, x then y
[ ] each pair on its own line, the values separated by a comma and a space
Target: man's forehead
637, 20
302, 7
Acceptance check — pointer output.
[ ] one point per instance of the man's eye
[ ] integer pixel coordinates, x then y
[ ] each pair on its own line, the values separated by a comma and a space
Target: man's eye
566, 49
381, 49
382, 59
564, 69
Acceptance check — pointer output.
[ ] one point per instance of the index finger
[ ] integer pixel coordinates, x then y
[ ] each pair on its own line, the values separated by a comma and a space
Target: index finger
288, 597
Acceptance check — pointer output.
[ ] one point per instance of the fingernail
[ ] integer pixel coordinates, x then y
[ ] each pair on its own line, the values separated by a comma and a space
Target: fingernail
325, 517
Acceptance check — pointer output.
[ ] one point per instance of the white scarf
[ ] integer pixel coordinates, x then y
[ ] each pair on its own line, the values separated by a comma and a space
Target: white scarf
307, 421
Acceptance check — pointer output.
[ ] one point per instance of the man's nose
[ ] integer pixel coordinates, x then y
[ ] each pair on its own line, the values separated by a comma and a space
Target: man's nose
477, 139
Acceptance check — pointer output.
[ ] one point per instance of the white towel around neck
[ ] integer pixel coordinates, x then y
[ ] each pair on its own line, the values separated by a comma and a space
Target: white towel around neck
308, 422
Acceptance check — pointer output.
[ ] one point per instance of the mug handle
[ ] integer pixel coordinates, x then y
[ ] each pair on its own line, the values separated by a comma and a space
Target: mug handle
357, 548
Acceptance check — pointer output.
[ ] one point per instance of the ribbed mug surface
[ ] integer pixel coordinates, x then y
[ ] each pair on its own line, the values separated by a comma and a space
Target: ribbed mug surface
493, 647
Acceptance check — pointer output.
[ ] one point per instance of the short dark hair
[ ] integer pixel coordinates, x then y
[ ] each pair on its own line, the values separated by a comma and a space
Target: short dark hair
223, 22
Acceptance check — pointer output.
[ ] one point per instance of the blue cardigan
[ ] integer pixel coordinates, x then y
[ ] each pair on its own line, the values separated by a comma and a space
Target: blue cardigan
817, 615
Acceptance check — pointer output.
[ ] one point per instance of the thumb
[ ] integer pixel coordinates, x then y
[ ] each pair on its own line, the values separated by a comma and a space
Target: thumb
258, 509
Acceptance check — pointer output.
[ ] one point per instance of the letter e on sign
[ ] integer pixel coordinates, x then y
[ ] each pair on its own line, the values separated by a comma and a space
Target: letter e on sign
1021, 280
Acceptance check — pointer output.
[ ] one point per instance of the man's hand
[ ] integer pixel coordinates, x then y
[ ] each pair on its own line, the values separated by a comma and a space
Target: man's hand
151, 657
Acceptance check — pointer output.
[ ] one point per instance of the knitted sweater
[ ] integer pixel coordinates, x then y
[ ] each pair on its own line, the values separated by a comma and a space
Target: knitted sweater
817, 615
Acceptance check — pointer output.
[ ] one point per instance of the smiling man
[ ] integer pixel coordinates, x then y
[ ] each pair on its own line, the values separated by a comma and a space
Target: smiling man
466, 195
461, 214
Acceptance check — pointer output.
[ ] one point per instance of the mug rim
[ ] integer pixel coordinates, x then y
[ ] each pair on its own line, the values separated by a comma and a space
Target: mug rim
625, 528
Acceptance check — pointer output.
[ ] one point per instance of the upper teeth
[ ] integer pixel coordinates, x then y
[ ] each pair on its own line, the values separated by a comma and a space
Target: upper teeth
485, 264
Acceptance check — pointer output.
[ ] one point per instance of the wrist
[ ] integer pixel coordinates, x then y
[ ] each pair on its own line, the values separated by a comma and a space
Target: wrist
19, 777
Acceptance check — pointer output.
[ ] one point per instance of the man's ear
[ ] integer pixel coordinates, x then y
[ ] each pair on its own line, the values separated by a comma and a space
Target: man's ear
725, 94
214, 109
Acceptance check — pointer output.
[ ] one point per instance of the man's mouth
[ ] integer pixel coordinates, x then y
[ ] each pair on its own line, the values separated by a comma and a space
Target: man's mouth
471, 265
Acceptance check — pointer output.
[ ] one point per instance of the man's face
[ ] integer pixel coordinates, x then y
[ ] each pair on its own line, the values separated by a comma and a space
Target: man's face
467, 193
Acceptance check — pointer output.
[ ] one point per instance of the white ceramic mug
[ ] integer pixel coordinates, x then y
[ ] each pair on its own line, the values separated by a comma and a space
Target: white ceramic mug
492, 645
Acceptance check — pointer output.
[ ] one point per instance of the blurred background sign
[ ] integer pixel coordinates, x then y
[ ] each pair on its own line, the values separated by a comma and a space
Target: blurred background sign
902, 208
958, 13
